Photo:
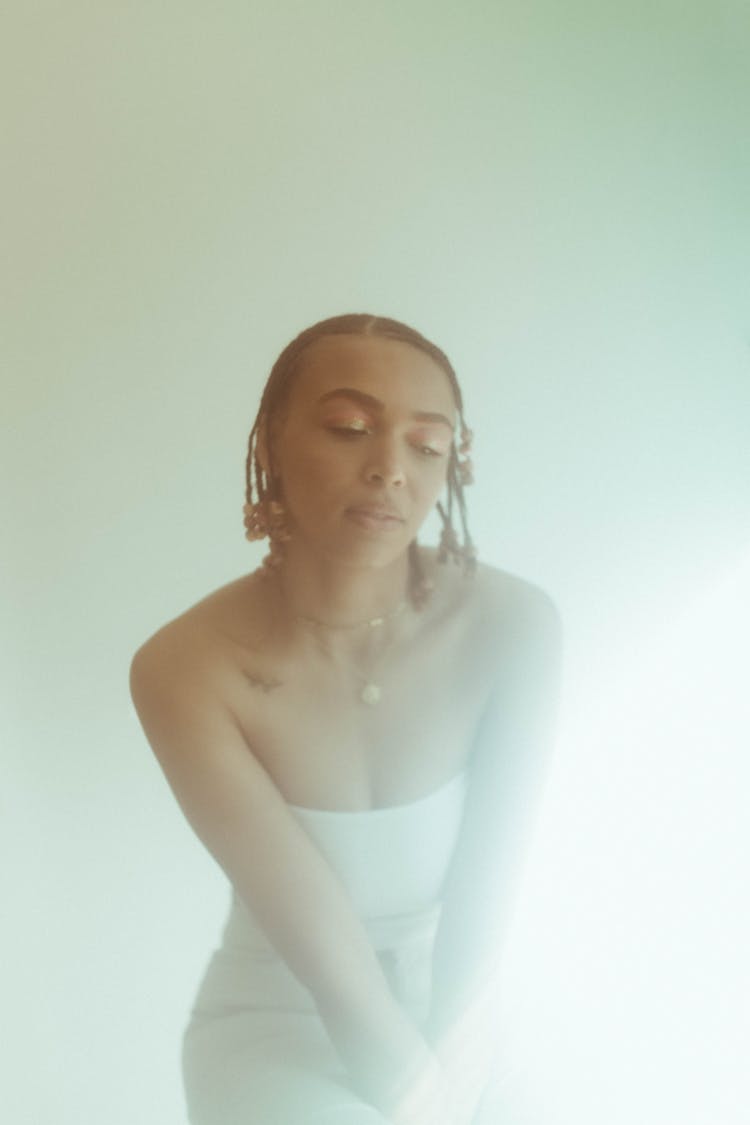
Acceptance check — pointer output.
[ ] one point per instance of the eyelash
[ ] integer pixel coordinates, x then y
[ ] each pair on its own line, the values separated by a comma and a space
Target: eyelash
349, 431
352, 432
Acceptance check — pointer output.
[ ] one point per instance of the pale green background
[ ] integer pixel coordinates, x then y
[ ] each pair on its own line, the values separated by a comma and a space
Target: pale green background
558, 194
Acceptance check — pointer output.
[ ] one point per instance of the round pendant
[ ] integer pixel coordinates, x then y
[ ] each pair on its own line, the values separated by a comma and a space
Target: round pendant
370, 694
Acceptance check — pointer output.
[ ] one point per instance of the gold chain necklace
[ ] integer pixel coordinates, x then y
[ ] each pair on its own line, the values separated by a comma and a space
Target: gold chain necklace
371, 692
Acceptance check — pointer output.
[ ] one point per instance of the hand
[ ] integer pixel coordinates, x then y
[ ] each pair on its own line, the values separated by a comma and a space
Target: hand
466, 1055
424, 1101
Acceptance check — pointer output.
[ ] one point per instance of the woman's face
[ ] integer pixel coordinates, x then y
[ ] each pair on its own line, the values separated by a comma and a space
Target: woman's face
362, 450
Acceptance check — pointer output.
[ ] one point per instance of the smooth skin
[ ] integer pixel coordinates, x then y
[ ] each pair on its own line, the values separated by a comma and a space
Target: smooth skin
248, 710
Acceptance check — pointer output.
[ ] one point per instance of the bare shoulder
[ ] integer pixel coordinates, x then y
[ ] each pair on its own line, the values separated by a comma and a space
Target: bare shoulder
507, 601
496, 605
194, 649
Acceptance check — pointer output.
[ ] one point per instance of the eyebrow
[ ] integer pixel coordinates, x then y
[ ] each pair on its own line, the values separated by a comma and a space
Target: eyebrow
375, 404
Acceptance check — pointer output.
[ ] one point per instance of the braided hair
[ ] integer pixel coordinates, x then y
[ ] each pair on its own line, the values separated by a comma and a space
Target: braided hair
261, 501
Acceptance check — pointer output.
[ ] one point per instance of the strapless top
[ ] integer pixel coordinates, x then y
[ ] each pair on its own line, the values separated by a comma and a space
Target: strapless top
392, 862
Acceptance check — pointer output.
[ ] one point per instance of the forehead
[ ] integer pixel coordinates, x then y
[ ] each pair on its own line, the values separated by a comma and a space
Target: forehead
397, 374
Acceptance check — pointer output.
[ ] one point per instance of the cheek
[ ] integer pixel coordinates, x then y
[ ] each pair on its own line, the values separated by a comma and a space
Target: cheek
434, 480
309, 478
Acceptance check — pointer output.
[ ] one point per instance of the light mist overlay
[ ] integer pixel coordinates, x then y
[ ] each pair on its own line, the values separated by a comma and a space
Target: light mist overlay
557, 194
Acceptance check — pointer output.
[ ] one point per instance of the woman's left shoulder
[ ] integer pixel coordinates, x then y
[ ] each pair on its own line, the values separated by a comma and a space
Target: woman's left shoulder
507, 608
502, 592
493, 605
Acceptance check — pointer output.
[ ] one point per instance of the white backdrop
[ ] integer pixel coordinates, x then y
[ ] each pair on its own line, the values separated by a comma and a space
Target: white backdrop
557, 193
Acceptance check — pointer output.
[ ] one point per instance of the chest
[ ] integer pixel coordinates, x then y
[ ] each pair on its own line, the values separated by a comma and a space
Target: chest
325, 747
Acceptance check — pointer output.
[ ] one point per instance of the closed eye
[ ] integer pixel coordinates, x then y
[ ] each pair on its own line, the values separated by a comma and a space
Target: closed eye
359, 428
430, 451
354, 430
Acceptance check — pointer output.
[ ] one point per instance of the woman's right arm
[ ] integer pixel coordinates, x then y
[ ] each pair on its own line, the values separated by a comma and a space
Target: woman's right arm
241, 817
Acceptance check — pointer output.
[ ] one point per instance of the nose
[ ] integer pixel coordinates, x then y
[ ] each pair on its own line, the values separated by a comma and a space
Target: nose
385, 467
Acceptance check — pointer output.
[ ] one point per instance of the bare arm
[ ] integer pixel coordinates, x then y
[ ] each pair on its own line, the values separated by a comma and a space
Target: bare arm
508, 770
241, 817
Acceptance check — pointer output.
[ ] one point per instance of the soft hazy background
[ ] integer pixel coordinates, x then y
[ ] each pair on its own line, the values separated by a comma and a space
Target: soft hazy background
557, 192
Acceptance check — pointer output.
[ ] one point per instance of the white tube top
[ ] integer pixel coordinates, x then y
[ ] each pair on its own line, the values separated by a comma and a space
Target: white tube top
393, 863
391, 860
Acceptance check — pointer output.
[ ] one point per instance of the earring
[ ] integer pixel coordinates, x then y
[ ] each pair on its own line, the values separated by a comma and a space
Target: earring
467, 437
267, 519
278, 535
464, 463
256, 525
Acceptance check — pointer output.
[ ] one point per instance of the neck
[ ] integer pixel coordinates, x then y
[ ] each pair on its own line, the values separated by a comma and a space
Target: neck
339, 595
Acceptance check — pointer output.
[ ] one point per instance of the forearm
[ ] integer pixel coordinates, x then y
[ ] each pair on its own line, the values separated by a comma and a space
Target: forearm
466, 956
387, 1057
462, 1032
462, 1026
482, 889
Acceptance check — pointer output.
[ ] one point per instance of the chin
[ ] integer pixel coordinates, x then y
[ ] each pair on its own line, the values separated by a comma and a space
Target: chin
376, 555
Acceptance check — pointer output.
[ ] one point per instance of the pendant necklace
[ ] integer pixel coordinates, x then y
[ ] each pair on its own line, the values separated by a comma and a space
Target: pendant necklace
371, 691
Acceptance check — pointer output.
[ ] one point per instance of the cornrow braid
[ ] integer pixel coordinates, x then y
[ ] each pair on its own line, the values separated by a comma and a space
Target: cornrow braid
261, 485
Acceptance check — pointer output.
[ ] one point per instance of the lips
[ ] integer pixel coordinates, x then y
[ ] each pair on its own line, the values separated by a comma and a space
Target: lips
375, 517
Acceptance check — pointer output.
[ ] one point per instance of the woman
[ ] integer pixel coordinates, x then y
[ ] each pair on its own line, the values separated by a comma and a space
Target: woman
356, 732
